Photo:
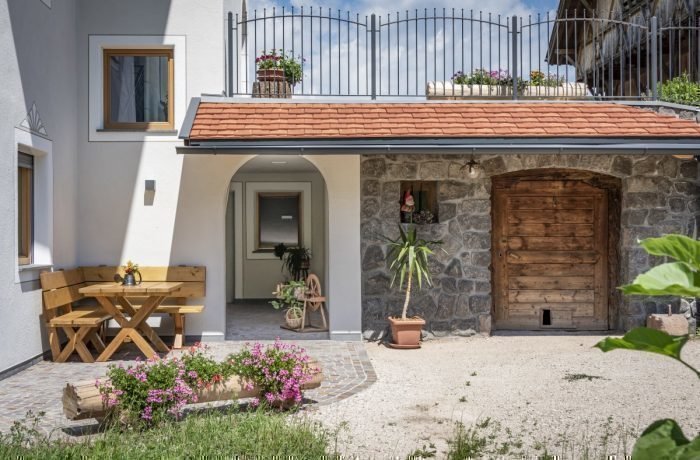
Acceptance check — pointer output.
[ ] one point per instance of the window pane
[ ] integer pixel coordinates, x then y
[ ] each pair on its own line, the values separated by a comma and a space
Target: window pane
24, 214
138, 89
278, 220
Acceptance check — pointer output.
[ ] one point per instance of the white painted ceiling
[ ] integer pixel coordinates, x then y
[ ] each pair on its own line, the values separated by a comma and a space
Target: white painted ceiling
267, 164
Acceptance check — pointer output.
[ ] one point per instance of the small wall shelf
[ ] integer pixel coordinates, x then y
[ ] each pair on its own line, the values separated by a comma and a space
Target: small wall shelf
425, 202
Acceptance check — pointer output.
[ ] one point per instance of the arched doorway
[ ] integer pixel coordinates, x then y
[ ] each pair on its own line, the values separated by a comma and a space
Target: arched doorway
555, 249
272, 199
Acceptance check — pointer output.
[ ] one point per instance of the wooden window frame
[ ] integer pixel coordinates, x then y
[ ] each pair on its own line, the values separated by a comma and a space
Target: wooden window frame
25, 214
258, 195
106, 90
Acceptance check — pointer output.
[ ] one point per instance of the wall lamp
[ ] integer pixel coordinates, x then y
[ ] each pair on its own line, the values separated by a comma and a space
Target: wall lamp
472, 167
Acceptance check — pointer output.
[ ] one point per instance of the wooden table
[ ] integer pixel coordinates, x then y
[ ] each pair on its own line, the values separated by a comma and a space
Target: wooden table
134, 327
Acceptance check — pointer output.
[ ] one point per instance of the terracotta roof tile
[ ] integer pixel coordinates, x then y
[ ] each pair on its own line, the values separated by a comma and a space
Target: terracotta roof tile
278, 121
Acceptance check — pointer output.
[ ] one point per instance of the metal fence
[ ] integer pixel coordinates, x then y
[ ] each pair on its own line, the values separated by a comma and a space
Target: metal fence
457, 53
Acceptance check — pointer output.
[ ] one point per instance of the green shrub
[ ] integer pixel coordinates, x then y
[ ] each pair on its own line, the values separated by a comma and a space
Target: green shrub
680, 90
158, 389
208, 434
663, 438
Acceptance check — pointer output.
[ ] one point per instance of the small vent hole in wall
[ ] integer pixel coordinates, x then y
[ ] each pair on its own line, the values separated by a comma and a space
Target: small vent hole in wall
546, 317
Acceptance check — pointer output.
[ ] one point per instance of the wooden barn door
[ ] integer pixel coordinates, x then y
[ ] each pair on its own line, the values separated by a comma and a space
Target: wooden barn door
550, 261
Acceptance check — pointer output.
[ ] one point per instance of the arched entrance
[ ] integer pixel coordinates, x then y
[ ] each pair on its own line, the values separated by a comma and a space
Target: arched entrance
555, 249
272, 199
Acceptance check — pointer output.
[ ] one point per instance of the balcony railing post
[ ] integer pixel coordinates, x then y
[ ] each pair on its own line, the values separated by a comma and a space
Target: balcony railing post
514, 56
373, 51
231, 52
654, 31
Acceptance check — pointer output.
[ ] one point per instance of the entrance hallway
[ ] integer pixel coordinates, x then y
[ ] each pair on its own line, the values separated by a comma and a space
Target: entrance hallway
258, 320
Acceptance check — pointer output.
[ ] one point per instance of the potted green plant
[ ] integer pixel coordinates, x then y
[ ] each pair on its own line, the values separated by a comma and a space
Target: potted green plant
296, 260
274, 66
290, 296
408, 257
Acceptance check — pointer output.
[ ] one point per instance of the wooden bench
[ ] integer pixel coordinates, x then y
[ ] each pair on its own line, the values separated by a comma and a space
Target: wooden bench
80, 325
194, 286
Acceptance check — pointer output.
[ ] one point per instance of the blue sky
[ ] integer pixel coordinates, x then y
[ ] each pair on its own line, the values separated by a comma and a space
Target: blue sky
505, 7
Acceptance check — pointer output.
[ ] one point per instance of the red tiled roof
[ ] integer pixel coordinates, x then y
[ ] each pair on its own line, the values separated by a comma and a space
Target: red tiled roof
279, 121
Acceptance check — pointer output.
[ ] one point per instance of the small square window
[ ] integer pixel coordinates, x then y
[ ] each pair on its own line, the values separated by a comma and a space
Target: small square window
138, 89
278, 220
25, 208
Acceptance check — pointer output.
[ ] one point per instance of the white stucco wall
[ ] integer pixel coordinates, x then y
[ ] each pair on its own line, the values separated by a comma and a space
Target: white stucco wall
39, 60
100, 212
119, 222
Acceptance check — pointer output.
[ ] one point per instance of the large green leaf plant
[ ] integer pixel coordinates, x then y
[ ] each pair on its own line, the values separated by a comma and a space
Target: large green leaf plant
663, 439
409, 259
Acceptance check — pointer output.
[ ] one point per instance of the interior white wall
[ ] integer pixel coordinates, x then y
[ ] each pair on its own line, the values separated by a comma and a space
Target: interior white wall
39, 60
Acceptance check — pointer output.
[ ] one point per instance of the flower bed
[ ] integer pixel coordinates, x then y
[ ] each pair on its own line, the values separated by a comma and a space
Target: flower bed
158, 389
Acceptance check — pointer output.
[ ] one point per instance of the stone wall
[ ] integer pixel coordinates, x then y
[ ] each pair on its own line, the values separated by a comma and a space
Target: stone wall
660, 194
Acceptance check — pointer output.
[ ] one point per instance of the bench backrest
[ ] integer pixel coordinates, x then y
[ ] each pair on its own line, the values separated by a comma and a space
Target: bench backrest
60, 289
192, 277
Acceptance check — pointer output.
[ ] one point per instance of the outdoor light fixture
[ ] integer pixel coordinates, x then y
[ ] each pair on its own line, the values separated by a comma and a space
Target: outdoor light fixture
687, 157
473, 168
149, 192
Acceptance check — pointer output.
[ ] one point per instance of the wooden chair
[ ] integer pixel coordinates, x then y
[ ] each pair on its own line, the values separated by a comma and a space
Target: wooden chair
79, 324
313, 301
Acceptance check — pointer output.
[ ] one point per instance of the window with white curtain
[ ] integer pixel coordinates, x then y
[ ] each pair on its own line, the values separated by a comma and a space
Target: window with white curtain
138, 89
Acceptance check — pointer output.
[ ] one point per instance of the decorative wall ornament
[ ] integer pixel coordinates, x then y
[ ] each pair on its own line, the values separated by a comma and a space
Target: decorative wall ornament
33, 123
47, 3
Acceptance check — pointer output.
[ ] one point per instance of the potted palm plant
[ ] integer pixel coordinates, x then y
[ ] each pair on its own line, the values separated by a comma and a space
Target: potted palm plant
408, 257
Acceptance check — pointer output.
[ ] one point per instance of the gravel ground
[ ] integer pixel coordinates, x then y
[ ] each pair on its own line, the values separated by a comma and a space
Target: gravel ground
520, 383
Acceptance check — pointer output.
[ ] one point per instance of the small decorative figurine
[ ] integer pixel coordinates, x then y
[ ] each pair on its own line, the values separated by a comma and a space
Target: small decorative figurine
408, 204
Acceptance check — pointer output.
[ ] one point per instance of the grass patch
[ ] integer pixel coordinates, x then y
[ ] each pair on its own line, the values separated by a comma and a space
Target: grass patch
428, 451
569, 377
206, 434
489, 439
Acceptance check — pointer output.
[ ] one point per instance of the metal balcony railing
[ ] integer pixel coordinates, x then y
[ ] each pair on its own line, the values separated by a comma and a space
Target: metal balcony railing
458, 54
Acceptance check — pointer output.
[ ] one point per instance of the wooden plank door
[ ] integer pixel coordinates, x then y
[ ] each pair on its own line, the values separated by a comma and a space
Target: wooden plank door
550, 243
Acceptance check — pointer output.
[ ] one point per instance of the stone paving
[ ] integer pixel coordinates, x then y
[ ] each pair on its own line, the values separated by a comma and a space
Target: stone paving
346, 367
258, 320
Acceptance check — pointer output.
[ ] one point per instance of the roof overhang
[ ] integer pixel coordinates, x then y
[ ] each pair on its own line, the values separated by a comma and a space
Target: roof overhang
550, 144
442, 146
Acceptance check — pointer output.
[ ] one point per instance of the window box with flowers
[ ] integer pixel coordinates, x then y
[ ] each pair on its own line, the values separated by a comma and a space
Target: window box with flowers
498, 84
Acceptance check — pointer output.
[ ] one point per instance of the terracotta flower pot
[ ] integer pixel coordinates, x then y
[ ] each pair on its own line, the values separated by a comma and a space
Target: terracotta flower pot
271, 75
406, 333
